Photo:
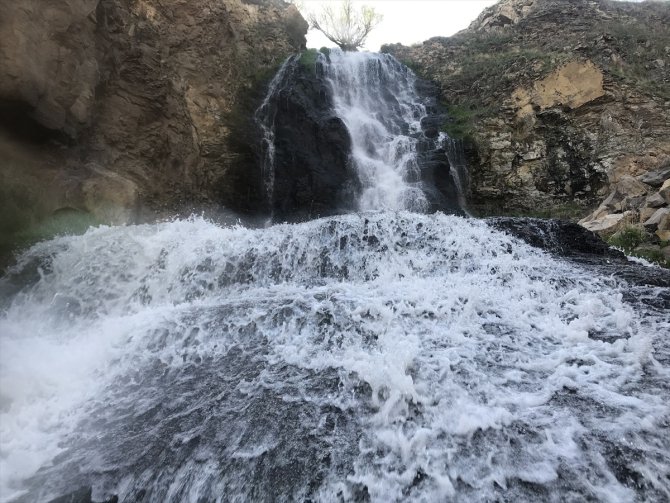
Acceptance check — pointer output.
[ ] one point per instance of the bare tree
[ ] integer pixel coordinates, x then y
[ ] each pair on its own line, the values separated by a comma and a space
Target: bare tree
345, 25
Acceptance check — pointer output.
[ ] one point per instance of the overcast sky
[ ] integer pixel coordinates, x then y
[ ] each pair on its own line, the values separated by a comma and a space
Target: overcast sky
406, 21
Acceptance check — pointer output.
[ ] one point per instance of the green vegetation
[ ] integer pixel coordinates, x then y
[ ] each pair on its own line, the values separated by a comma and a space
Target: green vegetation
414, 66
635, 241
262, 75
640, 56
489, 71
308, 58
651, 255
63, 222
571, 211
462, 118
628, 238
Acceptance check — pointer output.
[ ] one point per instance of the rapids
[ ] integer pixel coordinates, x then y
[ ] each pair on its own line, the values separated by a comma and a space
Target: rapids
379, 355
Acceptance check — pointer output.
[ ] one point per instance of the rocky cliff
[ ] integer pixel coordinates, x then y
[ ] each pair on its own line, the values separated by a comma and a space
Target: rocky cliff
112, 108
561, 101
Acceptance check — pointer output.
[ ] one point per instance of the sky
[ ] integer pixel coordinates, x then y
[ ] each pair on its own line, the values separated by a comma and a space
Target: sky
406, 21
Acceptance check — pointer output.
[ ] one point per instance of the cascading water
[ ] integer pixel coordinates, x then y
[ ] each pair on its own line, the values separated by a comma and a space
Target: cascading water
376, 98
379, 356
265, 117
457, 165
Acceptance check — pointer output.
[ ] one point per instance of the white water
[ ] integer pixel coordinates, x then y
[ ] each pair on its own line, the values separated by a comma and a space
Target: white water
428, 358
376, 98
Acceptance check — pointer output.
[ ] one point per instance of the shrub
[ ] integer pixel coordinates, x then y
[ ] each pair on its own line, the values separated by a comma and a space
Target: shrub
308, 58
628, 238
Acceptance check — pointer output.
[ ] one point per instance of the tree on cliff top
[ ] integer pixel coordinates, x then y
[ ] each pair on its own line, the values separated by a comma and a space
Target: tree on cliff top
344, 25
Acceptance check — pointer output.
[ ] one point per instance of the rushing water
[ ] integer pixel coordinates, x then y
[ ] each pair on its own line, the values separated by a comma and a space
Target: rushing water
378, 356
376, 98
393, 355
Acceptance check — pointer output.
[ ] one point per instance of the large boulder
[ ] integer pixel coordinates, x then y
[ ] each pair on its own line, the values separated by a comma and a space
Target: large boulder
657, 177
313, 175
607, 224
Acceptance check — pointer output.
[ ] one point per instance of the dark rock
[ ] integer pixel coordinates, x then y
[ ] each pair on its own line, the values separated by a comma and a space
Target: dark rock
82, 495
586, 249
560, 237
313, 175
657, 177
655, 201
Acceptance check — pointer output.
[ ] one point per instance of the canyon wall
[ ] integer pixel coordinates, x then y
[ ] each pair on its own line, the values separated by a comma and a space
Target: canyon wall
117, 109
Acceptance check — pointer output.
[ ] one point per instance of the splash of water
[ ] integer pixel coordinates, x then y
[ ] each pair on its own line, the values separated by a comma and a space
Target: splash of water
382, 356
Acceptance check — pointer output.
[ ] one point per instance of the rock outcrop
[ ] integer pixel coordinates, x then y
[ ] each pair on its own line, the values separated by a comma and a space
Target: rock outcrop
312, 174
124, 107
560, 102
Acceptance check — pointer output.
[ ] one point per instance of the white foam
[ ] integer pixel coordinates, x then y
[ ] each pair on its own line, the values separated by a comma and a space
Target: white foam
383, 151
463, 354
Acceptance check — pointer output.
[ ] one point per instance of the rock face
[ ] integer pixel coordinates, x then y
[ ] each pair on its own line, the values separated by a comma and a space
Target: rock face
116, 107
312, 173
559, 100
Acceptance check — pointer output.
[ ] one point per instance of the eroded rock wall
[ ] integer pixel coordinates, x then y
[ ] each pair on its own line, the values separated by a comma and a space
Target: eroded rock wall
559, 100
124, 107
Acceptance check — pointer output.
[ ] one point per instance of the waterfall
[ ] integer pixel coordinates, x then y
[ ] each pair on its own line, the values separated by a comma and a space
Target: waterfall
363, 114
265, 117
457, 165
380, 356
375, 96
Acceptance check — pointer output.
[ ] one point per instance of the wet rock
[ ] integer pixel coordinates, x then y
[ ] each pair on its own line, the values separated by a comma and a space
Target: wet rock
557, 236
313, 174
82, 495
